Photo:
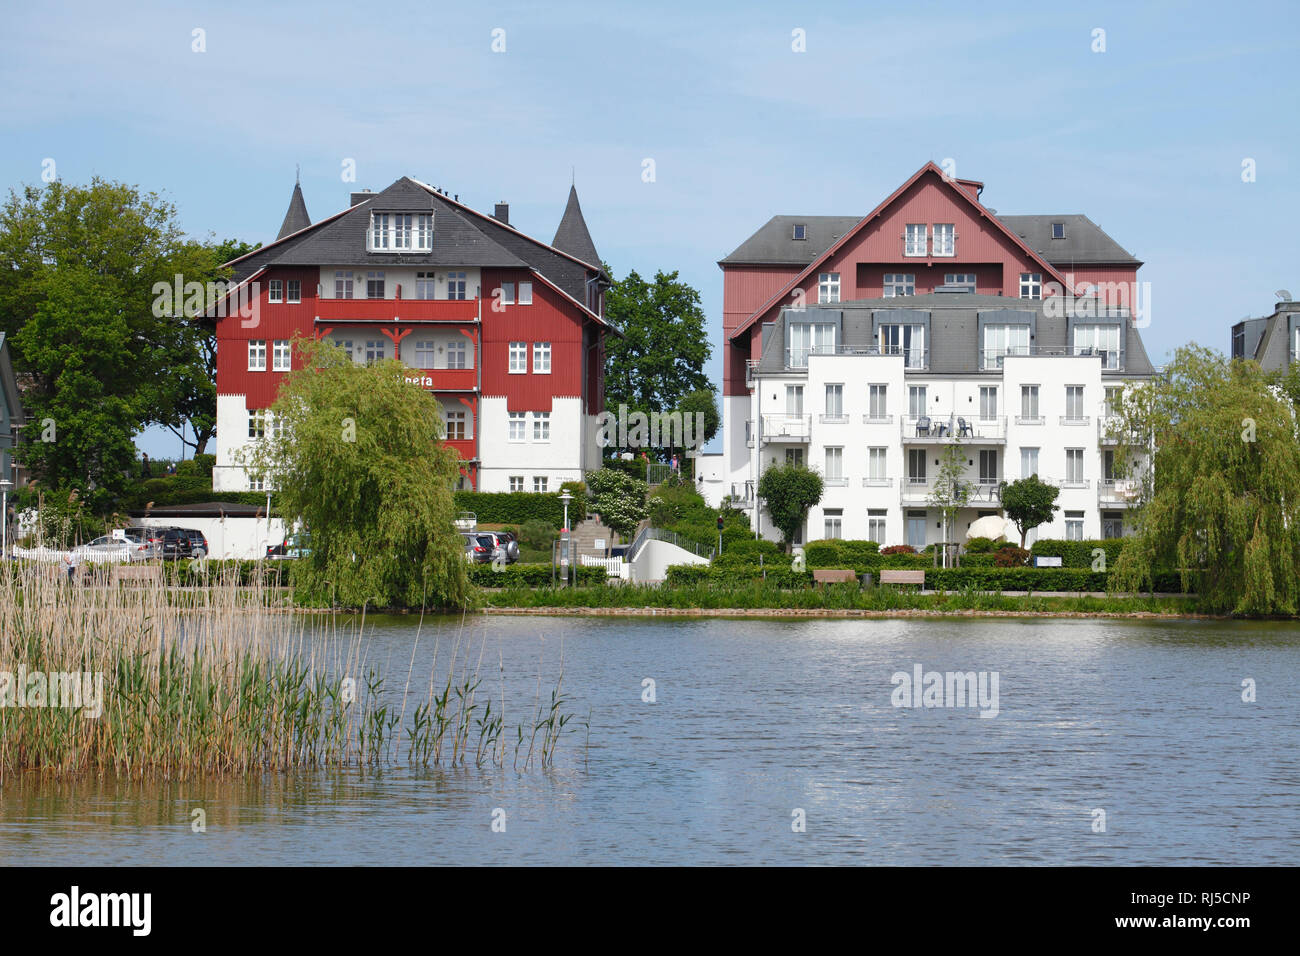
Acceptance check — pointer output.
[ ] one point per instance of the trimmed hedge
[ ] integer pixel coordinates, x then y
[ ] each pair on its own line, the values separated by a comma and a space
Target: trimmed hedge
516, 507
687, 575
1035, 579
861, 556
1077, 554
528, 576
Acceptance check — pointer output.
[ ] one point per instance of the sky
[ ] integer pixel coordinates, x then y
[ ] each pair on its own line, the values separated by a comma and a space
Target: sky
1179, 138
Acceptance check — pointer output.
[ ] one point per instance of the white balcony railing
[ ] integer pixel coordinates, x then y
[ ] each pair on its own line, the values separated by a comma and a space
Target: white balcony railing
1117, 491
870, 419
797, 428
942, 428
877, 482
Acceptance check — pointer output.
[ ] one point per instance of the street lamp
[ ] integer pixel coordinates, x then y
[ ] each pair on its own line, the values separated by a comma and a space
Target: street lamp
566, 497
5, 485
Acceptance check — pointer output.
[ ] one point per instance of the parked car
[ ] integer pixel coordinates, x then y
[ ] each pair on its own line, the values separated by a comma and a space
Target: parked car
198, 542
500, 546
511, 543
175, 543
145, 543
478, 548
108, 549
296, 545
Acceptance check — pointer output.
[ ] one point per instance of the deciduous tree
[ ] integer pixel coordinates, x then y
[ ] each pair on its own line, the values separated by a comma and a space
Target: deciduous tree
788, 492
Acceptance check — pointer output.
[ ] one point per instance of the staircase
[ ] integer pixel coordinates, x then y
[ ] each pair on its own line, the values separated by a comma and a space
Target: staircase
586, 533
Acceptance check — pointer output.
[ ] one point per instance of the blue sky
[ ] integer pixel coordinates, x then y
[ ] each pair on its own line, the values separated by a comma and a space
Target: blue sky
1147, 138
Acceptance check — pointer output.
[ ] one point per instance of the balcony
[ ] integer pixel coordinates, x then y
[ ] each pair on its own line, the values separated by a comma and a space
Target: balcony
1110, 431
914, 360
993, 360
915, 490
343, 311
1117, 492
742, 494
443, 379
787, 428
926, 429
464, 447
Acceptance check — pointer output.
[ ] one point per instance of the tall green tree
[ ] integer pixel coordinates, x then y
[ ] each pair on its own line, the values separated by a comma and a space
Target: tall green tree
659, 360
618, 498
788, 492
1029, 502
1220, 500
77, 269
355, 454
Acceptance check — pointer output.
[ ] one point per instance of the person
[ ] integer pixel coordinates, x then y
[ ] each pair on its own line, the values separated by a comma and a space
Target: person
70, 561
674, 463
144, 465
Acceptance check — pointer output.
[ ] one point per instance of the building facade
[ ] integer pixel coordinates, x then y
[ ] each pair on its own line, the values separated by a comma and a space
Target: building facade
1273, 340
505, 330
862, 347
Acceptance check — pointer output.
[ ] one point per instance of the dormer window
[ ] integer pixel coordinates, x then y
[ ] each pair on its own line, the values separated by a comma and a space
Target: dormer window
800, 231
1058, 230
400, 232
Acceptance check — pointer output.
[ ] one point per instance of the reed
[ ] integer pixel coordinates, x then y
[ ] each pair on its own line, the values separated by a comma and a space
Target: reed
214, 681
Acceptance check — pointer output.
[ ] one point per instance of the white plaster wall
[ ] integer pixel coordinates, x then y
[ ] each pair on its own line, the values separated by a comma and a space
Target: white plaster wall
240, 538
559, 459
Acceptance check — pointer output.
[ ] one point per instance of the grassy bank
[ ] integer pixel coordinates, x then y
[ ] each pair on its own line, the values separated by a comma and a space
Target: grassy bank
143, 682
830, 598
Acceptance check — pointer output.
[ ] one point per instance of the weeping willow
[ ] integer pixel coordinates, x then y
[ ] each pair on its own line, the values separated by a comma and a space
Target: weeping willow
1215, 451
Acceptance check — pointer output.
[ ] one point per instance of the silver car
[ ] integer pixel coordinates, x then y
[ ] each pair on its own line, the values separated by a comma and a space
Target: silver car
108, 549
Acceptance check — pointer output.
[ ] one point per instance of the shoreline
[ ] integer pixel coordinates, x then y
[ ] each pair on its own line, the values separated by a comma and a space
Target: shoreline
776, 612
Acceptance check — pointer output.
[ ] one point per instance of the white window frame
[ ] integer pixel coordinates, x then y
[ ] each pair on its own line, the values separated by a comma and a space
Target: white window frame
1077, 413
458, 354
507, 290
1028, 401
828, 287
878, 411
257, 424
458, 418
834, 462
376, 351
275, 290
518, 358
898, 285
915, 409
525, 293
541, 426
425, 352
377, 276
516, 483
426, 285
456, 285
834, 400
1002, 340
965, 280
257, 355
1031, 285
988, 396
424, 232
1074, 466
517, 426
541, 484
916, 239
281, 356
541, 358
293, 291
945, 240
1028, 461
342, 284
833, 523
877, 463
877, 524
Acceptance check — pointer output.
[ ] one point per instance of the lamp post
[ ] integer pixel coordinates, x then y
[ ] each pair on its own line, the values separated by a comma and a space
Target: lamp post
5, 485
566, 497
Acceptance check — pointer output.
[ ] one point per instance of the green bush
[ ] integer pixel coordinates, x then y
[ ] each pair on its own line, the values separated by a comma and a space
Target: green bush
979, 545
738, 576
862, 556
187, 468
529, 576
1078, 554
205, 464
518, 507
1015, 579
537, 534
1010, 556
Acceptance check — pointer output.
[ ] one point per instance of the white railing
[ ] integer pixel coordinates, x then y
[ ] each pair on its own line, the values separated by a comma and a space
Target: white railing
614, 567
877, 482
122, 555
1118, 491
944, 427
787, 427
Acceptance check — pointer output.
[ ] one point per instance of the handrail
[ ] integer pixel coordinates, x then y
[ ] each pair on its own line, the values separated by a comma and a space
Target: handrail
671, 537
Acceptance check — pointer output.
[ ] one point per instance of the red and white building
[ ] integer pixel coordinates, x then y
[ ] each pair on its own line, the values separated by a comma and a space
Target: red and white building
505, 330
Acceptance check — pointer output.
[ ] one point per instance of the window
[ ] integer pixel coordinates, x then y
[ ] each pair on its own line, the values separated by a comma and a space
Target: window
518, 426
455, 285
539, 484
899, 283
794, 399
834, 463
800, 231
525, 293
960, 280
1074, 466
1108, 466
376, 350
1112, 524
916, 529
401, 232
877, 402
455, 422
541, 426
916, 406
916, 460
295, 290
256, 484
905, 340
343, 285
1074, 526
507, 293
1029, 403
876, 525
518, 358
346, 346
277, 425
834, 401
809, 338
374, 285
275, 291
424, 351
516, 482
458, 354
280, 356
876, 461
257, 355
914, 241
828, 287
1003, 340
424, 231
989, 466
1114, 400
834, 523
794, 456
541, 358
257, 423
1074, 404
1100, 340
945, 239
424, 285
1058, 230
1031, 285
1028, 462
988, 402
379, 230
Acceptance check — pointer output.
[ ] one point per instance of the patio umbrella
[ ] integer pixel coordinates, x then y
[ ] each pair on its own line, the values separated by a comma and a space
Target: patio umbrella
990, 526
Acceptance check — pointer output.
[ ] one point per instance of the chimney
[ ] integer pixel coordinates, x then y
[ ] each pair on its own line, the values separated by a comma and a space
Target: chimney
361, 196
502, 213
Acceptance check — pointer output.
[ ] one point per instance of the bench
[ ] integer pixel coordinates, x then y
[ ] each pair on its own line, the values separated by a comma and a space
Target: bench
898, 576
834, 576
150, 573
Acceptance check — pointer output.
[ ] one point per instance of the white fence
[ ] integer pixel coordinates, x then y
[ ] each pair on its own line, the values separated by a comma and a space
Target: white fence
614, 567
54, 556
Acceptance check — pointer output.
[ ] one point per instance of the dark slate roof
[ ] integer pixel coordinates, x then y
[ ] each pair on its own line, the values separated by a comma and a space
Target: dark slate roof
572, 235
774, 242
296, 218
461, 237
1084, 244
954, 332
1273, 351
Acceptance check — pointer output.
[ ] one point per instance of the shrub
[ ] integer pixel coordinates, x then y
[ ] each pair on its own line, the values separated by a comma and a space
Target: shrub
1010, 557
537, 533
517, 507
898, 549
529, 575
1078, 554
982, 545
205, 464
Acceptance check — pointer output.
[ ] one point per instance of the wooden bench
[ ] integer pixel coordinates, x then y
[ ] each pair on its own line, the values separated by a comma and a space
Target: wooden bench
145, 573
834, 576
899, 576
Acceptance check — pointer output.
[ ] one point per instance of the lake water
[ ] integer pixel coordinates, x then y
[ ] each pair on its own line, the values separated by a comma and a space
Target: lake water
756, 719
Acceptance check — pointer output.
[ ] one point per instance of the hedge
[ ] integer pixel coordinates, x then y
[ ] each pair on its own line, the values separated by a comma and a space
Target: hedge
861, 556
516, 507
528, 576
1035, 579
738, 576
1077, 554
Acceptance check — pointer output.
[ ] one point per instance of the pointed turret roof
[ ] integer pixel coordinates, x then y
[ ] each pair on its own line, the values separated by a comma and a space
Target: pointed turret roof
296, 219
572, 236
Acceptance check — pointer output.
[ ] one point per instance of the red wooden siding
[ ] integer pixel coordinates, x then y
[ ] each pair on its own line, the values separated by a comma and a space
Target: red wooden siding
551, 318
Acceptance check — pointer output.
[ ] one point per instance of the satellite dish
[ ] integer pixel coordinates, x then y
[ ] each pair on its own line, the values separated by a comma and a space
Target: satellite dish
1283, 295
